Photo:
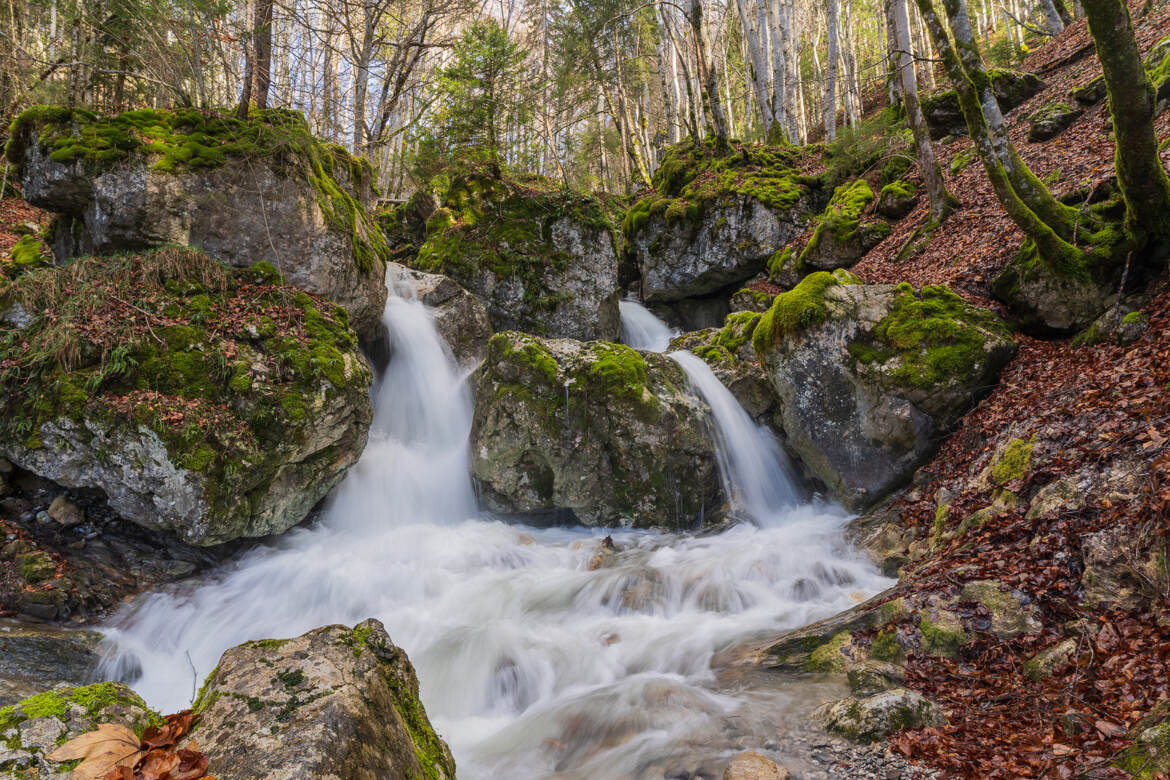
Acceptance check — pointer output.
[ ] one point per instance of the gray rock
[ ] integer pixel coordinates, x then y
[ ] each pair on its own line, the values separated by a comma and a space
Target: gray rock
461, 319
864, 401
729, 244
333, 703
34, 657
1093, 92
242, 212
944, 116
1049, 301
595, 433
1050, 121
1050, 659
874, 717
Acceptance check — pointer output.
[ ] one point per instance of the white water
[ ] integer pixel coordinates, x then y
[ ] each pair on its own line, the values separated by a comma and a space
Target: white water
642, 330
530, 664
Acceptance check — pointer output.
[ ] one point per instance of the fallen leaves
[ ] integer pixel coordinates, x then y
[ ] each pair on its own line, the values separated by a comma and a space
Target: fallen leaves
114, 752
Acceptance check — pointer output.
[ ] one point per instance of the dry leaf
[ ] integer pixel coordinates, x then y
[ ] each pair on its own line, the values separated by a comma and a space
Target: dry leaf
108, 747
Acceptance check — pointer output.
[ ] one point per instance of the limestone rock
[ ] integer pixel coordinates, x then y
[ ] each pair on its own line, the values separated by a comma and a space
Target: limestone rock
874, 717
594, 433
461, 319
751, 765
541, 259
1052, 301
897, 199
260, 191
333, 703
1050, 659
870, 376
1010, 615
232, 425
843, 235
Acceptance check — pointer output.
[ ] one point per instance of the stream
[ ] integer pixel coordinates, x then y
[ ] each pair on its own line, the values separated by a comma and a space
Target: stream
531, 664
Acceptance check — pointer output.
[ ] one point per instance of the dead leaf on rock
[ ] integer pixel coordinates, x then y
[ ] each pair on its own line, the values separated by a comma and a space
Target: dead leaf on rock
109, 747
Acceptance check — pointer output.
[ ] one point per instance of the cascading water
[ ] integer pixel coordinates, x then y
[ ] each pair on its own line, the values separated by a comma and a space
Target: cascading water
641, 329
531, 664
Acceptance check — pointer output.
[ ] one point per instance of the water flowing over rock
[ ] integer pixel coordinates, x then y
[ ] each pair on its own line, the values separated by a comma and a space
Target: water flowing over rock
211, 403
869, 376
541, 259
336, 702
244, 192
593, 432
460, 317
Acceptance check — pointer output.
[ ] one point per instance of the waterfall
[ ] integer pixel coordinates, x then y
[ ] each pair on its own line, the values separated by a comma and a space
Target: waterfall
531, 662
642, 330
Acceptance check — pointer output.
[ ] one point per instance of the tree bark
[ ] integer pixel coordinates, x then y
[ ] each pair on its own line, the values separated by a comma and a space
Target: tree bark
262, 53
831, 71
940, 199
1140, 174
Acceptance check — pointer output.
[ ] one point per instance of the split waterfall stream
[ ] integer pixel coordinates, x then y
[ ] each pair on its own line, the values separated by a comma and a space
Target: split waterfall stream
531, 665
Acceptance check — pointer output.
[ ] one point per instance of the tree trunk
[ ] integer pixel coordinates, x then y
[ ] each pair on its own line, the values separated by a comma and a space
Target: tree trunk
1052, 18
246, 76
1140, 174
831, 71
940, 199
709, 78
758, 62
262, 55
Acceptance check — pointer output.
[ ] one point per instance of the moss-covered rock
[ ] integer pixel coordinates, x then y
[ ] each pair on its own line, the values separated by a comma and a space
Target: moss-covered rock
591, 432
40, 656
874, 717
842, 236
869, 376
35, 726
259, 190
897, 199
209, 402
713, 221
1047, 122
28, 254
944, 117
541, 258
346, 698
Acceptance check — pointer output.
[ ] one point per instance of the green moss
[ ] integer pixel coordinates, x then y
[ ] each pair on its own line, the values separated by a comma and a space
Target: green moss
942, 638
616, 370
885, 647
800, 307
1149, 757
900, 190
186, 139
28, 254
532, 355
1013, 462
842, 217
830, 656
737, 330
1134, 318
961, 160
778, 262
290, 678
928, 338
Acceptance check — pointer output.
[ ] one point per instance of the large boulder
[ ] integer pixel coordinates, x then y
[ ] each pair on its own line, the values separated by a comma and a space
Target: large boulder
1052, 298
870, 718
540, 257
713, 221
208, 402
461, 318
842, 235
336, 702
870, 376
944, 117
260, 190
594, 433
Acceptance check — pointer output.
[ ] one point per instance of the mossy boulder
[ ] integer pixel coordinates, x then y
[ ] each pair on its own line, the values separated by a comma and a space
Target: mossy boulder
335, 702
1091, 92
871, 376
540, 257
593, 433
1012, 88
728, 351
1051, 120
209, 402
37, 725
1051, 299
260, 190
842, 235
874, 717
713, 221
897, 199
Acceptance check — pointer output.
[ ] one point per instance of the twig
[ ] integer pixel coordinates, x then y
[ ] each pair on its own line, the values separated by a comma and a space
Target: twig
194, 674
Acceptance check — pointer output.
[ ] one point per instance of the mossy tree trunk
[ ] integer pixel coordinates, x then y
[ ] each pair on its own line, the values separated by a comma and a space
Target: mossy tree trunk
708, 78
1140, 174
1051, 246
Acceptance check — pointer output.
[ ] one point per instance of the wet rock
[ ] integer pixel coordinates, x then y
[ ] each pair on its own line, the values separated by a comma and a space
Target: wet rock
871, 676
794, 649
335, 702
35, 657
65, 512
461, 319
242, 208
541, 260
874, 717
944, 117
593, 432
751, 765
870, 376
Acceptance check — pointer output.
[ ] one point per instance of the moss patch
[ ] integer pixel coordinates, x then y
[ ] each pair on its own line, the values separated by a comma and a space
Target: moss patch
800, 307
842, 217
188, 139
1013, 462
830, 656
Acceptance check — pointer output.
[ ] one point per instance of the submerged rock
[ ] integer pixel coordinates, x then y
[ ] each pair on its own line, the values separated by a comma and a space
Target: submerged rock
870, 376
594, 433
335, 702
208, 402
461, 319
541, 258
751, 765
714, 221
261, 190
